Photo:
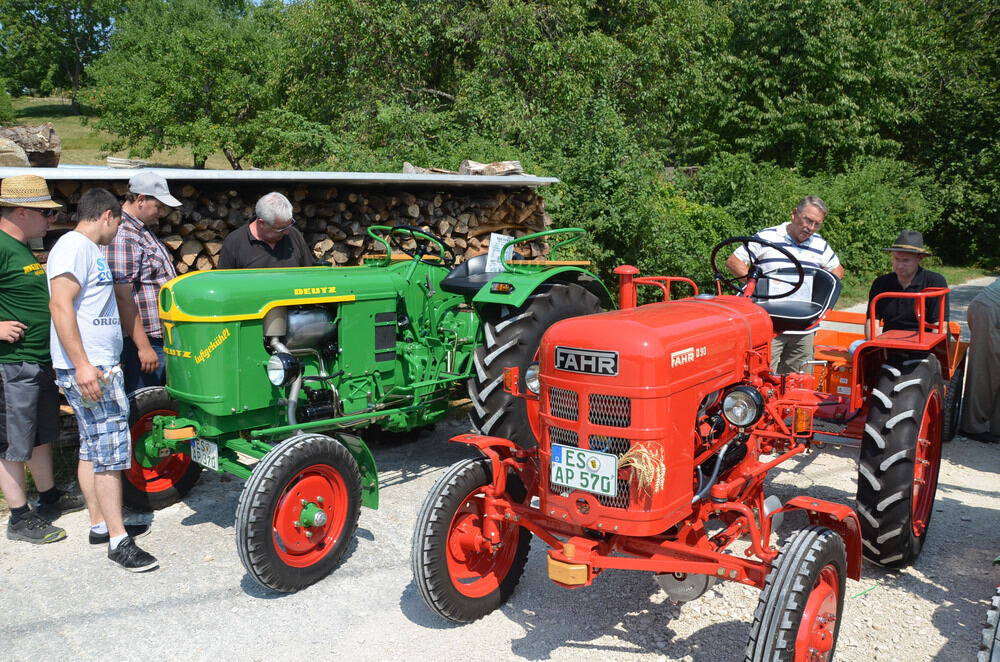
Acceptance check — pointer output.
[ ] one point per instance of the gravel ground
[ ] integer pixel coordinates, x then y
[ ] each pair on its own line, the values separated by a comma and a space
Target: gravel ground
66, 601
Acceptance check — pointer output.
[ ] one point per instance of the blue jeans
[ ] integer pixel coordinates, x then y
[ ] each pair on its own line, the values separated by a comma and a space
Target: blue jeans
135, 378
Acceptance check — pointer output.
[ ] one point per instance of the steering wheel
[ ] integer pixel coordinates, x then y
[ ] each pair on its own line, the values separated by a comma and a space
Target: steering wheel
424, 247
754, 272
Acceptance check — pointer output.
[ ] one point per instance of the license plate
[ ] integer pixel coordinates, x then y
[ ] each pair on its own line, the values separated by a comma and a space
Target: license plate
582, 469
205, 453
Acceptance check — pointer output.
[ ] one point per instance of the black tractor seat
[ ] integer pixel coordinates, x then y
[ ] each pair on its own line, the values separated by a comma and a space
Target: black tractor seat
470, 276
799, 314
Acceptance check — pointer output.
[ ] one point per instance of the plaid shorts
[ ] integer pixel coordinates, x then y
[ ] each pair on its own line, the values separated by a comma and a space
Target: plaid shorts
104, 435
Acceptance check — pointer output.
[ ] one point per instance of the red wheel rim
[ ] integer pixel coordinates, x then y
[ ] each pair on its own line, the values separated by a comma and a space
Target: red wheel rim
167, 473
815, 638
475, 569
926, 462
303, 546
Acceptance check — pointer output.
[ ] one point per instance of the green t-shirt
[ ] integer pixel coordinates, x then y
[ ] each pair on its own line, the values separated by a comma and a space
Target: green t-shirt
24, 296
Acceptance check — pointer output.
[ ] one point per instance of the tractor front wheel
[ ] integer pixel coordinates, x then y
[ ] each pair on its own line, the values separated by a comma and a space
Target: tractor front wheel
798, 616
900, 459
298, 512
173, 476
461, 574
952, 409
512, 339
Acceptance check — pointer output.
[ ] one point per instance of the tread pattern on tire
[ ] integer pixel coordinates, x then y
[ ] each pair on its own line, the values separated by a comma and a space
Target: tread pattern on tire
512, 336
786, 591
151, 398
952, 408
888, 453
989, 643
254, 513
430, 539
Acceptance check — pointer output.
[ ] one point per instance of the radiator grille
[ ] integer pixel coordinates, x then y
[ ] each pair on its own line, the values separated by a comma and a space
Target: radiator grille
564, 404
610, 410
564, 437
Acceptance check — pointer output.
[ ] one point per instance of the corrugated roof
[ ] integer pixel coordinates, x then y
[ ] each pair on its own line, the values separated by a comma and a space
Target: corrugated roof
104, 173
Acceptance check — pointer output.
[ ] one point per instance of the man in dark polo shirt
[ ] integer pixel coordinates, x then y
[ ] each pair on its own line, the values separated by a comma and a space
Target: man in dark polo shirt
270, 240
907, 276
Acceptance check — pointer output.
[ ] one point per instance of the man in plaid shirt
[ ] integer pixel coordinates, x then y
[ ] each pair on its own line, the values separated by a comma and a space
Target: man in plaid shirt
141, 264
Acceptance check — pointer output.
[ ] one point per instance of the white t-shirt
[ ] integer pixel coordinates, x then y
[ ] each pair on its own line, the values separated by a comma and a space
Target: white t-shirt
95, 305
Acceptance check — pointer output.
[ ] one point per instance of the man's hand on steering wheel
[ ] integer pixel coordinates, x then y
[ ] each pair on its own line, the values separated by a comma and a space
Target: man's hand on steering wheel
754, 272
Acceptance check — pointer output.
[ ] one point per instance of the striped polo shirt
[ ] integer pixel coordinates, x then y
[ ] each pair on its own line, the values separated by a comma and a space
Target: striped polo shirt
814, 252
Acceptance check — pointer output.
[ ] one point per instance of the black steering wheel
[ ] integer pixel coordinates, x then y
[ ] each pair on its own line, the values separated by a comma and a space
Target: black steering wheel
754, 272
426, 245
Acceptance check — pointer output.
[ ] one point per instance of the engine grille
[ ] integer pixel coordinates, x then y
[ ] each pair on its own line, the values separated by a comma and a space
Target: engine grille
564, 437
610, 410
564, 404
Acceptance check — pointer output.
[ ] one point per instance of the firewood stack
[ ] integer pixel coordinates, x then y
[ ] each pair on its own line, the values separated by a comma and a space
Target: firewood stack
334, 221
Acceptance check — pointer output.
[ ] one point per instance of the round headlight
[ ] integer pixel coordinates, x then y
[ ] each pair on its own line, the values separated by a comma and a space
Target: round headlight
742, 406
282, 369
531, 377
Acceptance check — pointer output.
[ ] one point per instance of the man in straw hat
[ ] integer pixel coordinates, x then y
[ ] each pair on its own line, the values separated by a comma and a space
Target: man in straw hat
907, 275
29, 399
141, 265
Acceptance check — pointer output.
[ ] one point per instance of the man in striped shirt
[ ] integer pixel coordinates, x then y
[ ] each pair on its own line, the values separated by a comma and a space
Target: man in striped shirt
800, 237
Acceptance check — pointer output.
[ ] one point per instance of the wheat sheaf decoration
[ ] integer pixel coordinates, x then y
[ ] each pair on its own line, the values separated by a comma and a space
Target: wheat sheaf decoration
648, 466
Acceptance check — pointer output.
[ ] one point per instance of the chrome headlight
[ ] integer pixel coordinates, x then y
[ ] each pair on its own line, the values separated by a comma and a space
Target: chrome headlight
282, 369
742, 406
531, 377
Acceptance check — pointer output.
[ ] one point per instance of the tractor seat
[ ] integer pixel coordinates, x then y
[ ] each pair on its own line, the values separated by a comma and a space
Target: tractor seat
794, 313
470, 276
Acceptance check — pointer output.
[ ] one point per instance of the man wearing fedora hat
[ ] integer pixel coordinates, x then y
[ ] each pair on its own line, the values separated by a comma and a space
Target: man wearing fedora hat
141, 265
29, 399
907, 275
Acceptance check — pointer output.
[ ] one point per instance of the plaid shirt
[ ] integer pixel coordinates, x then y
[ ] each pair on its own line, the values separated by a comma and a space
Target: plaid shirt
136, 256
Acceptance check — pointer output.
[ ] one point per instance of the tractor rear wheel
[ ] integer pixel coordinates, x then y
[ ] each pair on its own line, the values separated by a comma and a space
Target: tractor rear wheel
461, 576
512, 338
152, 488
900, 459
952, 409
798, 615
298, 512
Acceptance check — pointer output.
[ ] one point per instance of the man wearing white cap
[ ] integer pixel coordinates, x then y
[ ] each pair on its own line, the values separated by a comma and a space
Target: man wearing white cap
29, 400
141, 264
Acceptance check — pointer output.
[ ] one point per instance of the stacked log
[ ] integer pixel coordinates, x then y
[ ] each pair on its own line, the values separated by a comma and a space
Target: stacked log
335, 221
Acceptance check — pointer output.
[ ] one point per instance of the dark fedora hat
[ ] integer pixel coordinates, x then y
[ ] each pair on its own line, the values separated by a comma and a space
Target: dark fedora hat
909, 241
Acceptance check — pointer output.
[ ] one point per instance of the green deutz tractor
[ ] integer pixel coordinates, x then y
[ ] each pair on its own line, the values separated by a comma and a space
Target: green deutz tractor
273, 374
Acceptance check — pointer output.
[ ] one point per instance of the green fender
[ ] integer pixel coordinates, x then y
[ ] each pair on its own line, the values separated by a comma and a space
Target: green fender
524, 284
366, 465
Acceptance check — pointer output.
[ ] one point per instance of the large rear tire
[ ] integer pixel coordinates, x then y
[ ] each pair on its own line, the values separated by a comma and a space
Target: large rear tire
458, 578
152, 488
298, 512
900, 459
798, 615
989, 645
512, 339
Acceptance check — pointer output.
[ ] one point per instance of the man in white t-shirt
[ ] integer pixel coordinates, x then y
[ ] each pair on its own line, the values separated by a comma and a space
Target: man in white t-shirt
800, 237
86, 342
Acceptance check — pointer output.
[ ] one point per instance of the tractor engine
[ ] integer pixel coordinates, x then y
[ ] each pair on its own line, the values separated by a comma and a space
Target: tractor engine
628, 400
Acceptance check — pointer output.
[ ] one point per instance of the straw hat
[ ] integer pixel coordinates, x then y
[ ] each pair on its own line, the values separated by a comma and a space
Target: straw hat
909, 241
26, 191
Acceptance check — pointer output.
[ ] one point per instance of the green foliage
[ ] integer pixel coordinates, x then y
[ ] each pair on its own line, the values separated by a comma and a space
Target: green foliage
7, 114
48, 45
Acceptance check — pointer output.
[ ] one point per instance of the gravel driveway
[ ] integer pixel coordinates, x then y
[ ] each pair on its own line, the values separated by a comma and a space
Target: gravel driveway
65, 601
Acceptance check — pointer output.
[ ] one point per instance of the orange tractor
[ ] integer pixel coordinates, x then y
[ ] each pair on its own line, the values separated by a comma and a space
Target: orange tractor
655, 427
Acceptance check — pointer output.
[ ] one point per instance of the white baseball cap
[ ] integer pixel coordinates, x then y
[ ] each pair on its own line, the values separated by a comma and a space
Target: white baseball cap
150, 183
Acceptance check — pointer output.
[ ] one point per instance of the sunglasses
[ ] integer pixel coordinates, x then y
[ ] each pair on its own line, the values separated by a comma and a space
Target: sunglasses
284, 228
47, 213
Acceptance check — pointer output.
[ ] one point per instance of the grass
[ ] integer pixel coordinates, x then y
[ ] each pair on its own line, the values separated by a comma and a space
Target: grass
81, 144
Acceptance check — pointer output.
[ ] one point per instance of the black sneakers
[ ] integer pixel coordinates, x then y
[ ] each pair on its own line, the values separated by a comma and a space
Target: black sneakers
128, 556
133, 531
34, 528
67, 503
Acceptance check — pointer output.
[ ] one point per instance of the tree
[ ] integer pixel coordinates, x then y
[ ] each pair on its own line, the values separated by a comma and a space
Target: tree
197, 74
47, 45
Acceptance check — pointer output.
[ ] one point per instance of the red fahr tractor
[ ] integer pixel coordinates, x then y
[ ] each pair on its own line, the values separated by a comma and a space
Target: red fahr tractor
657, 425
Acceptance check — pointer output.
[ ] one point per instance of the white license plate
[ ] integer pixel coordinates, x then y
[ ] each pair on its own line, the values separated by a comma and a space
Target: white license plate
205, 453
582, 469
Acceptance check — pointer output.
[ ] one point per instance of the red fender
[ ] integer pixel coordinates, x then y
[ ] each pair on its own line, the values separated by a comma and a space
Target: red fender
838, 517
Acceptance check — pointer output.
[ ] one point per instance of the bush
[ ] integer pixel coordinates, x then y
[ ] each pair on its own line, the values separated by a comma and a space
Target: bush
7, 115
